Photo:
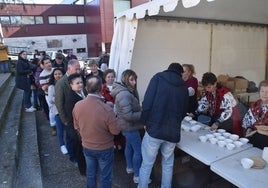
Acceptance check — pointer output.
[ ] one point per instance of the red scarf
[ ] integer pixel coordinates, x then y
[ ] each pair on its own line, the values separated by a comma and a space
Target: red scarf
256, 109
106, 93
215, 103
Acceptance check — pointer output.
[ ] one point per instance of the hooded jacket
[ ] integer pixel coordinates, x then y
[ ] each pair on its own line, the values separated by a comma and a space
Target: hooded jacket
23, 70
127, 108
165, 105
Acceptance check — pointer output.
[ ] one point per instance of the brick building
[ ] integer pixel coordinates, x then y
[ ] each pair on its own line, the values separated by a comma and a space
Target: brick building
87, 29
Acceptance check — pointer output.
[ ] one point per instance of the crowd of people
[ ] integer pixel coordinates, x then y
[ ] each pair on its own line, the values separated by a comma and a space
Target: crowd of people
92, 114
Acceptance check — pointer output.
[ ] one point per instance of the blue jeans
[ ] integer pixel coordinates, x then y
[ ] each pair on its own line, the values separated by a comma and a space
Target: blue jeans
102, 160
4, 66
60, 130
133, 150
35, 98
149, 148
27, 98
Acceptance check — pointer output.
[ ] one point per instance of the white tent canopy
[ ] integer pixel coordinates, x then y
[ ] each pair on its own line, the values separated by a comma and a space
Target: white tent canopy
231, 10
1, 34
236, 12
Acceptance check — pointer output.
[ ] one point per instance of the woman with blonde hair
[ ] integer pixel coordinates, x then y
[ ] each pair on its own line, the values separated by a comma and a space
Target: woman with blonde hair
128, 110
192, 84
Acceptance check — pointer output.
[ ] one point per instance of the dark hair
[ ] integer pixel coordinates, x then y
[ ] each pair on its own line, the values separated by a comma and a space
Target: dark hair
208, 78
93, 84
176, 67
108, 71
73, 76
59, 56
21, 52
52, 78
43, 59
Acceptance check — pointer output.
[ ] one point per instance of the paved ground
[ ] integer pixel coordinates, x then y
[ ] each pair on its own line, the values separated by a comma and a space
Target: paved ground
58, 172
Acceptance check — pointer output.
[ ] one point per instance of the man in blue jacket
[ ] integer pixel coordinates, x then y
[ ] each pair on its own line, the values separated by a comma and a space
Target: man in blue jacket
164, 107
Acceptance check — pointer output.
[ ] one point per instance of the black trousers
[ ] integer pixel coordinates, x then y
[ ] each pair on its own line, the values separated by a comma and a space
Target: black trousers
259, 140
75, 148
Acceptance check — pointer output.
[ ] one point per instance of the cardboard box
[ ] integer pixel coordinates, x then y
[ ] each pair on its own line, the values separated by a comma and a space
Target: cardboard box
222, 78
241, 85
230, 84
235, 85
227, 82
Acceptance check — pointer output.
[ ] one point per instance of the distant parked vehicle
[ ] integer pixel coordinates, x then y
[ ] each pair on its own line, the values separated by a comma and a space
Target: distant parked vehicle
52, 54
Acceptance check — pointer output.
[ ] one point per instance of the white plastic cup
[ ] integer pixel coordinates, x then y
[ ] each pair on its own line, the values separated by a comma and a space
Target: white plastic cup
203, 138
247, 163
265, 154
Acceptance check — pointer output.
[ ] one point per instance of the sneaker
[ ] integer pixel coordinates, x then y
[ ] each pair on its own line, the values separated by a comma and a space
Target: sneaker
31, 109
136, 180
129, 170
63, 150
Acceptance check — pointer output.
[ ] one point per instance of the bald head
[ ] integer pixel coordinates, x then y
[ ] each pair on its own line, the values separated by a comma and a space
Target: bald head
94, 85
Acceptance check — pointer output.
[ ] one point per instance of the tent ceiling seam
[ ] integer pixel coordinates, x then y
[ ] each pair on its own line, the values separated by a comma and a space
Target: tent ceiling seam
170, 18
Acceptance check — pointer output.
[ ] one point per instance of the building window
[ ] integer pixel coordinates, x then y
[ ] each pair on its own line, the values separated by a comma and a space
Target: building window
39, 20
16, 20
4, 20
52, 19
66, 20
21, 20
54, 43
80, 19
80, 50
27, 20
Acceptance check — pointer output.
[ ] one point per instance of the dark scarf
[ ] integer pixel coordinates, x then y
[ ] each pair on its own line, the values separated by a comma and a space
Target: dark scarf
215, 102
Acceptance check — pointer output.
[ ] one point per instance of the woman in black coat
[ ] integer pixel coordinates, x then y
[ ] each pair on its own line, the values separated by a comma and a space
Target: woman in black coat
74, 146
24, 70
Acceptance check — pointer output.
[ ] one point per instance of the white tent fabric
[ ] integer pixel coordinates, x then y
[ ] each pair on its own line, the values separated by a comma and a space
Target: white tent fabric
1, 34
125, 32
125, 28
122, 45
151, 7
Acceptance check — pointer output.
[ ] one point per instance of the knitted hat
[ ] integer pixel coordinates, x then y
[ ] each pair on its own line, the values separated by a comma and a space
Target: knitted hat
176, 67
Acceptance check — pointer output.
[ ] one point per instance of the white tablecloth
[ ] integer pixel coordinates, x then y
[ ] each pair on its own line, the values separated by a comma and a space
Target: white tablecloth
231, 169
206, 152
